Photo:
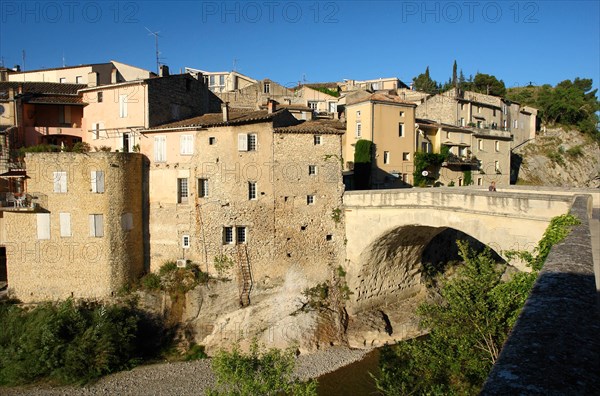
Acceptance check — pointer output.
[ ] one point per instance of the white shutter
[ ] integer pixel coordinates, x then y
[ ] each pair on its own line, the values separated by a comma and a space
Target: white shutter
160, 149
43, 226
65, 224
186, 145
96, 225
97, 178
122, 106
242, 142
60, 182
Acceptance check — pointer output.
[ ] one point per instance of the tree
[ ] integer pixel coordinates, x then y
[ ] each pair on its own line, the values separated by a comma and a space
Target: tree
259, 372
424, 82
487, 84
454, 76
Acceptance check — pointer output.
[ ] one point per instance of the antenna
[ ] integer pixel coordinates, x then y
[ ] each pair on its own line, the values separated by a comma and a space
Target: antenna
155, 34
63, 58
23, 60
234, 64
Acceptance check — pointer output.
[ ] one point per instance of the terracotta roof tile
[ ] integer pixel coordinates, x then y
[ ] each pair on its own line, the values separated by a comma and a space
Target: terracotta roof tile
236, 117
42, 87
326, 127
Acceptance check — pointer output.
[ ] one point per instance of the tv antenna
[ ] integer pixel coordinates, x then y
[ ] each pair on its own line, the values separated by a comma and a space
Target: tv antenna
234, 64
155, 34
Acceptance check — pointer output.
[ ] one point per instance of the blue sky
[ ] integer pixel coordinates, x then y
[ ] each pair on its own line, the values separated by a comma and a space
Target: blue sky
291, 41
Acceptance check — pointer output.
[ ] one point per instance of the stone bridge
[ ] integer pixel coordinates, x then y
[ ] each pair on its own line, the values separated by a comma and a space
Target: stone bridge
388, 233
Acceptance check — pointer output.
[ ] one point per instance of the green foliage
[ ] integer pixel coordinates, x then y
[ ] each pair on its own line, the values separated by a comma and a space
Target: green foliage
488, 84
328, 91
81, 147
105, 149
556, 157
336, 215
466, 332
150, 281
195, 352
467, 178
317, 296
427, 161
469, 327
363, 151
167, 267
222, 264
340, 272
259, 372
40, 148
423, 82
575, 151
68, 342
573, 103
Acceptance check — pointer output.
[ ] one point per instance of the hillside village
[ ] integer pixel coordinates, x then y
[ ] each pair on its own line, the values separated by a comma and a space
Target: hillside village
201, 164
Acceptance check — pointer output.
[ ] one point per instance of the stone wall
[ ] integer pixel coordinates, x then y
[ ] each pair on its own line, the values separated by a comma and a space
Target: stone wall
76, 264
553, 348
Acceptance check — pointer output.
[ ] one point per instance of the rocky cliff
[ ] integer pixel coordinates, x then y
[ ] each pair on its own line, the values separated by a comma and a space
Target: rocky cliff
558, 157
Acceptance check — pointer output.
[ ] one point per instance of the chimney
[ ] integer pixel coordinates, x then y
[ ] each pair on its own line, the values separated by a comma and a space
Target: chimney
164, 71
17, 68
225, 109
271, 106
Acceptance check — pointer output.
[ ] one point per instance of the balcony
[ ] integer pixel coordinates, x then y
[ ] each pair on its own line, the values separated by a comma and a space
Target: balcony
31, 202
464, 163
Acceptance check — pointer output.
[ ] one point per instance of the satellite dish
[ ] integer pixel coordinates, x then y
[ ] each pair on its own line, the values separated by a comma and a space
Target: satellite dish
424, 173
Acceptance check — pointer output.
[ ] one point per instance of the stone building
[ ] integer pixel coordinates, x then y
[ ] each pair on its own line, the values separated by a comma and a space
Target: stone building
82, 233
252, 96
222, 81
389, 123
258, 188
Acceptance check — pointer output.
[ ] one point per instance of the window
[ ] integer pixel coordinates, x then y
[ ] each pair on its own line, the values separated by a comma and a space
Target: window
97, 179
358, 129
405, 156
211, 80
504, 109
480, 181
251, 190
479, 109
96, 130
267, 88
480, 144
221, 80
401, 129
358, 114
462, 121
122, 106
240, 235
332, 107
160, 148
479, 124
497, 166
64, 114
127, 222
386, 157
78, 80
96, 225
43, 225
247, 142
227, 235
317, 140
313, 105
462, 106
212, 140
100, 97
186, 145
62, 80
312, 170
182, 190
203, 188
494, 112
516, 124
497, 145
185, 241
65, 224
401, 114
310, 199
60, 182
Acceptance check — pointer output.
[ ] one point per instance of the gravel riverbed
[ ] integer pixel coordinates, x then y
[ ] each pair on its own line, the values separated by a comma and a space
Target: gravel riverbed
186, 378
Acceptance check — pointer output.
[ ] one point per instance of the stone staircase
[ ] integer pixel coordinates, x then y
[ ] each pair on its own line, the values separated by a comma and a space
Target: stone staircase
245, 278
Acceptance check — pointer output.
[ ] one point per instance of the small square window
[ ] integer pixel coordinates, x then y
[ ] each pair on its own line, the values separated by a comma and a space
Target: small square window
310, 199
182, 190
401, 114
317, 140
497, 146
312, 170
358, 114
202, 188
386, 157
251, 190
212, 140
100, 97
252, 142
185, 242
405, 156
329, 237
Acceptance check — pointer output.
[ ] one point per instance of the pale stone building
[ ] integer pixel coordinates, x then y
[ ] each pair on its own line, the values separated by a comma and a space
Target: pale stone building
219, 82
82, 234
257, 187
389, 123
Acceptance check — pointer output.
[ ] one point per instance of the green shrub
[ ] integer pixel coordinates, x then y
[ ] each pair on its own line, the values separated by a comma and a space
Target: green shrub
222, 264
150, 281
575, 151
81, 147
196, 352
71, 343
167, 267
363, 151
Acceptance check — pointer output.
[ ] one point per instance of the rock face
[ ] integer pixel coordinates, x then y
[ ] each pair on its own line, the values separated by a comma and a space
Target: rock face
558, 157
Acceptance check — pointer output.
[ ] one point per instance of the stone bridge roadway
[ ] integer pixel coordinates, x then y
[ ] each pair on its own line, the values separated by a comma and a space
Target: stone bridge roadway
388, 230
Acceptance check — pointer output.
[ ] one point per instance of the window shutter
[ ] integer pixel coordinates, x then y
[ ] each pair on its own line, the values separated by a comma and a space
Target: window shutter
100, 181
65, 224
92, 226
43, 226
242, 142
60, 182
160, 149
99, 225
